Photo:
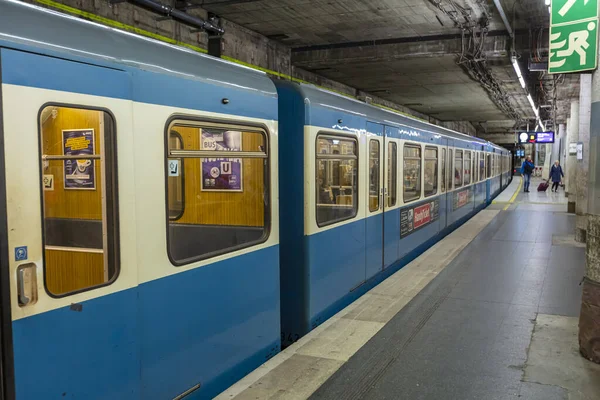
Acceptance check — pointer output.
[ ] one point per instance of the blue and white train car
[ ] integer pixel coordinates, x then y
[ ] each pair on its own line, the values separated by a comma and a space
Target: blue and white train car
139, 260
378, 189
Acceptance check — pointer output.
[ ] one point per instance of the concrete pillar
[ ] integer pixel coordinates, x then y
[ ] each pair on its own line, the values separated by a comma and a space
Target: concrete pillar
556, 146
589, 318
571, 167
585, 109
562, 156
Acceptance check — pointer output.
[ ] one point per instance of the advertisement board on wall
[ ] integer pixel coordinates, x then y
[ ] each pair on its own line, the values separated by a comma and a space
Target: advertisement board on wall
415, 218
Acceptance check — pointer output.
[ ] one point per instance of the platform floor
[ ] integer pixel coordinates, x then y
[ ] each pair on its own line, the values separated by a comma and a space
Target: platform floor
490, 312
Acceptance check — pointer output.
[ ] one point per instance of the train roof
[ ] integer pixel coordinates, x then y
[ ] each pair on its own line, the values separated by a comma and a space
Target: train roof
53, 32
325, 98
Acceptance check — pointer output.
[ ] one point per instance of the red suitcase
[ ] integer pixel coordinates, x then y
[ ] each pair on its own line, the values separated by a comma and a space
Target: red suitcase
543, 186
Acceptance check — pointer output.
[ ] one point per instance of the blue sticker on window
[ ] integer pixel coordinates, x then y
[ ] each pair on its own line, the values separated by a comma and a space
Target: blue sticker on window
21, 253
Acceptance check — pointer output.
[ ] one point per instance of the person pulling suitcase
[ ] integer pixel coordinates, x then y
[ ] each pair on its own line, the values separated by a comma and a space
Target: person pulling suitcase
556, 174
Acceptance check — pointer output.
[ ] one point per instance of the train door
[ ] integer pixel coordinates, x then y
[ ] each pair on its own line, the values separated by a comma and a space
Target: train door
375, 199
501, 169
391, 215
68, 238
450, 182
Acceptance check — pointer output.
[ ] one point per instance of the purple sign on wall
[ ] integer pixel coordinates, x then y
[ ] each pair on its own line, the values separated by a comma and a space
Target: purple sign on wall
79, 174
221, 174
544, 137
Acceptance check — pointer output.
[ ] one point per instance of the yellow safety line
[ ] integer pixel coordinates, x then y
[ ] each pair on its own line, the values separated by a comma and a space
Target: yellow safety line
514, 197
119, 25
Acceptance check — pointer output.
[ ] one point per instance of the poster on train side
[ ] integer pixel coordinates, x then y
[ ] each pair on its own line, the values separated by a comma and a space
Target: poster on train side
415, 218
462, 198
79, 174
221, 174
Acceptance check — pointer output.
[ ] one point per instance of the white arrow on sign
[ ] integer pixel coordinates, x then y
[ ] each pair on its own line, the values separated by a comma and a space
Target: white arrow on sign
570, 3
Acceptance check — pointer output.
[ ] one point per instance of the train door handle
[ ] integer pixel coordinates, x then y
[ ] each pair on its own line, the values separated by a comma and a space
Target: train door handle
27, 284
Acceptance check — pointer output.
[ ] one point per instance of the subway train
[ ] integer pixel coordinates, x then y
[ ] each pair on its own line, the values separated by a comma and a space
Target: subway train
171, 220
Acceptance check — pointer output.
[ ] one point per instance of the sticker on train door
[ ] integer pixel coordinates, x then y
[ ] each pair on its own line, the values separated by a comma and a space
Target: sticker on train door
173, 167
49, 182
21, 253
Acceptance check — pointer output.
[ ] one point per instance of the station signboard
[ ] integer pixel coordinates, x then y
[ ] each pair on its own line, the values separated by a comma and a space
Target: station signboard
544, 137
535, 137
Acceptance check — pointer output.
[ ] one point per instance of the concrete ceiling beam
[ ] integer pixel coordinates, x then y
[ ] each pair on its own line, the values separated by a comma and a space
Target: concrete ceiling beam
495, 47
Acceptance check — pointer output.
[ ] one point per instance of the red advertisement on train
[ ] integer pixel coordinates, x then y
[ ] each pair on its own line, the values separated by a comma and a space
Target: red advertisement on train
461, 198
415, 218
422, 215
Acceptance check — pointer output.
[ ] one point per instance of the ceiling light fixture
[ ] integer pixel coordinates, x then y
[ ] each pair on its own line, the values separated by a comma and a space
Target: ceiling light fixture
515, 64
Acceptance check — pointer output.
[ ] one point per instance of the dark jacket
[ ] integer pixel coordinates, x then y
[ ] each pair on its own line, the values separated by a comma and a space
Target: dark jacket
524, 169
556, 173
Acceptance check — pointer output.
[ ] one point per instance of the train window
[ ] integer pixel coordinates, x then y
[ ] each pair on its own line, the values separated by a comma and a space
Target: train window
374, 186
443, 170
336, 178
175, 177
458, 169
496, 165
431, 171
226, 201
79, 213
412, 172
392, 175
475, 167
488, 165
467, 167
482, 166
449, 175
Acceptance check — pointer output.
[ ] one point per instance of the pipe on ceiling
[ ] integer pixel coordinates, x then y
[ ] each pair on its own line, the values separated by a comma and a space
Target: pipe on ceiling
504, 17
181, 16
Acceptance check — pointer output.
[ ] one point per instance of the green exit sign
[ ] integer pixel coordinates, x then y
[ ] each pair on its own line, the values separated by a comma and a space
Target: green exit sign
573, 36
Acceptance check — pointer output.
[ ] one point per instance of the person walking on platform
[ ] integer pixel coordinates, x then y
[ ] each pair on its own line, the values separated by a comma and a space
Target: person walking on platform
556, 174
526, 170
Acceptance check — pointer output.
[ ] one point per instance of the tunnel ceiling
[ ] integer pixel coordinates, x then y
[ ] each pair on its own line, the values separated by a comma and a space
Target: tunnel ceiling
411, 52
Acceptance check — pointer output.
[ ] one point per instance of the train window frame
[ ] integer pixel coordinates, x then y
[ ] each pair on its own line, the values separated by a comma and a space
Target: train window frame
112, 223
443, 172
466, 165
182, 175
436, 159
355, 179
476, 166
420, 158
488, 165
450, 175
462, 176
375, 169
392, 177
243, 126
